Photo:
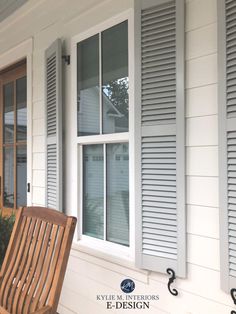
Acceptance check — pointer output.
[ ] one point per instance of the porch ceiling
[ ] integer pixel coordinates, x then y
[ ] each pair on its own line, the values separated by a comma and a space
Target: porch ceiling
7, 7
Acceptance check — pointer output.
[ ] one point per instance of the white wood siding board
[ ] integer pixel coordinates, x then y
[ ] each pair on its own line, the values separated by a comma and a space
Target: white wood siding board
64, 310
201, 71
38, 196
89, 289
38, 89
200, 13
202, 191
203, 251
97, 273
38, 127
201, 101
202, 161
202, 131
38, 144
39, 178
211, 288
38, 161
113, 265
201, 42
187, 302
38, 110
207, 227
81, 305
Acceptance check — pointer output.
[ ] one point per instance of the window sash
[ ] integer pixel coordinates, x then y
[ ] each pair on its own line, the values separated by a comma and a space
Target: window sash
102, 122
106, 212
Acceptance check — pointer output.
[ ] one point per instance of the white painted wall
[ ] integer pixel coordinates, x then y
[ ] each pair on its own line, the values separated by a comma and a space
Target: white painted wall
91, 272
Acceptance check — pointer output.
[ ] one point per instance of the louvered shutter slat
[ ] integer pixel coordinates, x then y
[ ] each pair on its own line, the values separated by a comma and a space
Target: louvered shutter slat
54, 126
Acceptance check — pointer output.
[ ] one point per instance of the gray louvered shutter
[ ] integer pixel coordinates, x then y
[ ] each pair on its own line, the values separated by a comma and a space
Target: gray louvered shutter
54, 191
160, 135
227, 141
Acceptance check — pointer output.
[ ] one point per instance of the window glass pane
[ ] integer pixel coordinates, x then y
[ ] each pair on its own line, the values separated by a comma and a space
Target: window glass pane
93, 191
8, 116
21, 162
8, 162
88, 109
115, 78
118, 193
21, 109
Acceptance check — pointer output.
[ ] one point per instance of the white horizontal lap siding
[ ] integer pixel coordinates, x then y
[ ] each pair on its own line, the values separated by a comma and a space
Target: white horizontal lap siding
54, 126
160, 56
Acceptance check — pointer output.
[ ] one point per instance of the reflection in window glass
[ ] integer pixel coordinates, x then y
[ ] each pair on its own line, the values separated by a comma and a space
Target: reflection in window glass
115, 81
8, 116
8, 192
93, 191
118, 193
88, 109
21, 163
21, 113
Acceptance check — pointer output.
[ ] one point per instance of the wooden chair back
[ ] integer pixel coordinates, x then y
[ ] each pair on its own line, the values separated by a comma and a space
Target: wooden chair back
33, 270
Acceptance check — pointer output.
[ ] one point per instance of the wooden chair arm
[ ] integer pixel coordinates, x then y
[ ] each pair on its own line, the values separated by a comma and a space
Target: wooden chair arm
44, 310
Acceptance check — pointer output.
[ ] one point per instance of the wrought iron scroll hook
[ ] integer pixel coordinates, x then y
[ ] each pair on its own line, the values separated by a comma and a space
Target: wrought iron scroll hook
171, 280
233, 295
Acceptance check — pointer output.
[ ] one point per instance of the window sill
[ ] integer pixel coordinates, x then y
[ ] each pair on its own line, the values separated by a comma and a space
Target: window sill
114, 261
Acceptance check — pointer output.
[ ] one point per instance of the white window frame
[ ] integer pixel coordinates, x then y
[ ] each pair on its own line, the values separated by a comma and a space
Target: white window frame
83, 241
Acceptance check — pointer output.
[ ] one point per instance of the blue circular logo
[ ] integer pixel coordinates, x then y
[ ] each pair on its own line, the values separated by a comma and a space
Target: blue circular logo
127, 286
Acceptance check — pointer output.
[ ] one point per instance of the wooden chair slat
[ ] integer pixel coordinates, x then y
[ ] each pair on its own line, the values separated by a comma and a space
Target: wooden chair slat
22, 263
34, 266
52, 268
29, 298
27, 293
62, 263
18, 299
44, 274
